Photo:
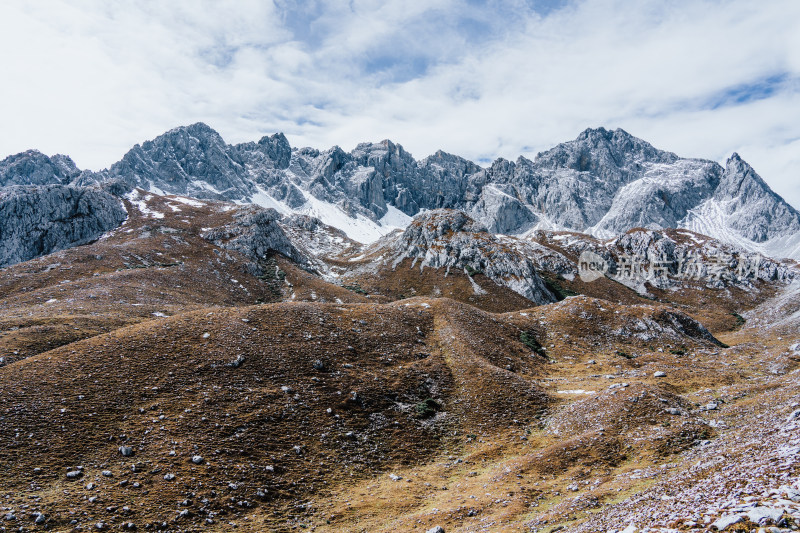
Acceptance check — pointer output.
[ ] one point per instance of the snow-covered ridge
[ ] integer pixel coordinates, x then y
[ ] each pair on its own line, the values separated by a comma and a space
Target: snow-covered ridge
602, 183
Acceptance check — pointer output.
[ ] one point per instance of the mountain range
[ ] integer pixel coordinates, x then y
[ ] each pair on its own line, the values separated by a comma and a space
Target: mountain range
603, 183
214, 337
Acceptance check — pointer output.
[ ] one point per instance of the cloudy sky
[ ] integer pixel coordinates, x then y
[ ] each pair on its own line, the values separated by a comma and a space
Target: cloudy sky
480, 79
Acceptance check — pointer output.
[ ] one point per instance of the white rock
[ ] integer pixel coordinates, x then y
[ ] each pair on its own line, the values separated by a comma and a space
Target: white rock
757, 514
659, 374
727, 520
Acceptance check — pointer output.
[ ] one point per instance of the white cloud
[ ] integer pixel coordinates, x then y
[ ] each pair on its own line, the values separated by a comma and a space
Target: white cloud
482, 80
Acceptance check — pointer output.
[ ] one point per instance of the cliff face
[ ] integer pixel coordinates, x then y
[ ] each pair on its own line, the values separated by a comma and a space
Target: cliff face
35, 221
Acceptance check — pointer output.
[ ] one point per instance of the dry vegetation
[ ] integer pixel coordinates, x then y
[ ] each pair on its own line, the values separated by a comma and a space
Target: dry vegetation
400, 403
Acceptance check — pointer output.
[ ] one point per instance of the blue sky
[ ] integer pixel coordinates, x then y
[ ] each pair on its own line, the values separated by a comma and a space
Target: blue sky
480, 79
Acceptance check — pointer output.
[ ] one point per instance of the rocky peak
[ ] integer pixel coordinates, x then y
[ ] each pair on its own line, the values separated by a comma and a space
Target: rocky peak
192, 160
34, 168
385, 157
431, 225
753, 209
739, 180
604, 153
277, 148
603, 182
444, 162
332, 161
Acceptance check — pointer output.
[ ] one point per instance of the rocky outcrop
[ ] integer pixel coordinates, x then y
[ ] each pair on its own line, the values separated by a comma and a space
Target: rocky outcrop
35, 168
35, 221
451, 240
255, 233
666, 259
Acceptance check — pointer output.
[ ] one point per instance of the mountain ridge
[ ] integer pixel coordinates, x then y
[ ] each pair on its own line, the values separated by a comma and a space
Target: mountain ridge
602, 183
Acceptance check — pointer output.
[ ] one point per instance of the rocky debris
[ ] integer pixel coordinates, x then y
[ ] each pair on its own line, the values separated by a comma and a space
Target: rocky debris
743, 478
36, 221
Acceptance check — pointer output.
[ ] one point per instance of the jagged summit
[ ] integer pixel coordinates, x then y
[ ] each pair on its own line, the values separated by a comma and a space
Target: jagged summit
34, 168
603, 182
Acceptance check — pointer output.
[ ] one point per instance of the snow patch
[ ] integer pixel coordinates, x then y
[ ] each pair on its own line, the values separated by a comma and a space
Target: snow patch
188, 201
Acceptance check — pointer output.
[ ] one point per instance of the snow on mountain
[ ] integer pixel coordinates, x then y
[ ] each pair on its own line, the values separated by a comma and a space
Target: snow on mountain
602, 183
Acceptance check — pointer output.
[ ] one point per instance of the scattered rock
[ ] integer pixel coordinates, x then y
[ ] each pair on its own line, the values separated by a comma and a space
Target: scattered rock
197, 459
759, 514
126, 451
659, 374
236, 363
725, 521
